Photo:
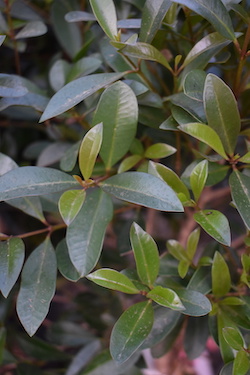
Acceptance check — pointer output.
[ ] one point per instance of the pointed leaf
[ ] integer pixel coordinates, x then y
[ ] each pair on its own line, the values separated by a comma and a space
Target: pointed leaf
143, 189
215, 12
131, 330
76, 91
177, 250
240, 188
153, 14
215, 224
221, 280
31, 181
205, 134
241, 363
104, 11
146, 254
6, 164
183, 267
70, 204
198, 178
11, 262
112, 279
12, 86
233, 337
194, 84
166, 297
192, 243
119, 122
85, 234
159, 151
64, 263
37, 287
2, 37
195, 303
222, 112
31, 29
30, 205
129, 163
245, 158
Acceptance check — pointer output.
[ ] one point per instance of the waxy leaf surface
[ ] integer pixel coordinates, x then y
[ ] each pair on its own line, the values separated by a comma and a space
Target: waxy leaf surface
166, 297
221, 280
70, 204
104, 11
240, 188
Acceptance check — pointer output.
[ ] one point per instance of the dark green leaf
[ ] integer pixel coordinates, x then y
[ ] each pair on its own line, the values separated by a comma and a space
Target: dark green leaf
131, 330
221, 280
69, 158
2, 343
37, 287
240, 187
83, 357
196, 335
194, 109
31, 29
85, 234
195, 303
194, 84
201, 280
64, 263
143, 189
31, 206
166, 297
105, 13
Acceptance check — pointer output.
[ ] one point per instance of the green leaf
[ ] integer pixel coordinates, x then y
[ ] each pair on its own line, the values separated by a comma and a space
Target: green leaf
192, 243
177, 250
131, 330
32, 29
12, 86
222, 112
223, 320
221, 279
215, 224
105, 13
76, 91
31, 181
233, 337
64, 263
195, 303
86, 233
201, 280
215, 12
2, 37
89, 150
205, 134
112, 279
240, 188
193, 109
194, 84
119, 122
241, 363
143, 189
196, 336
198, 178
31, 206
153, 14
166, 297
146, 254
11, 262
159, 151
6, 164
129, 163
245, 158
171, 178
68, 161
37, 287
70, 204
183, 267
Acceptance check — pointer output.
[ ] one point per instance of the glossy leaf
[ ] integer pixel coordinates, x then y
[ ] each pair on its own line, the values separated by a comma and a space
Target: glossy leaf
146, 254
215, 12
129, 163
64, 263
11, 262
11, 86
153, 14
194, 84
6, 164
166, 297
177, 250
233, 337
114, 280
222, 112
198, 178
205, 134
37, 287
85, 234
221, 280
76, 91
143, 189
119, 122
105, 13
30, 205
192, 243
183, 267
240, 188
193, 109
31, 181
241, 363
131, 330
89, 150
195, 303
32, 29
215, 224
70, 204
159, 151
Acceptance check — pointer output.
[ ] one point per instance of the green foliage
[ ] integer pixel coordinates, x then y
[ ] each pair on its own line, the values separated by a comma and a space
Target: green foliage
124, 135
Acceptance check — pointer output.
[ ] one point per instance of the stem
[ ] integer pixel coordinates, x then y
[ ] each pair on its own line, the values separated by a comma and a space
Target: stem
49, 229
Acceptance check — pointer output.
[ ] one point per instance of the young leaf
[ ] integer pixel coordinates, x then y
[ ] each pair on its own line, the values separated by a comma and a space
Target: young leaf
159, 151
143, 189
215, 12
215, 224
177, 250
119, 122
205, 134
89, 150
245, 158
37, 287
146, 254
129, 163
11, 262
76, 91
241, 363
166, 297
112, 279
131, 330
85, 234
198, 178
105, 13
195, 303
183, 267
192, 243
70, 204
221, 280
222, 112
240, 188
30, 181
153, 14
233, 337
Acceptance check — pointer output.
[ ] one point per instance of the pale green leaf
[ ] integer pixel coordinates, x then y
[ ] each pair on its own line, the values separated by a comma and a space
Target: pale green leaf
105, 13
233, 337
166, 297
221, 279
177, 250
159, 151
245, 158
241, 363
183, 267
70, 204
240, 188
198, 178
192, 243
129, 163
